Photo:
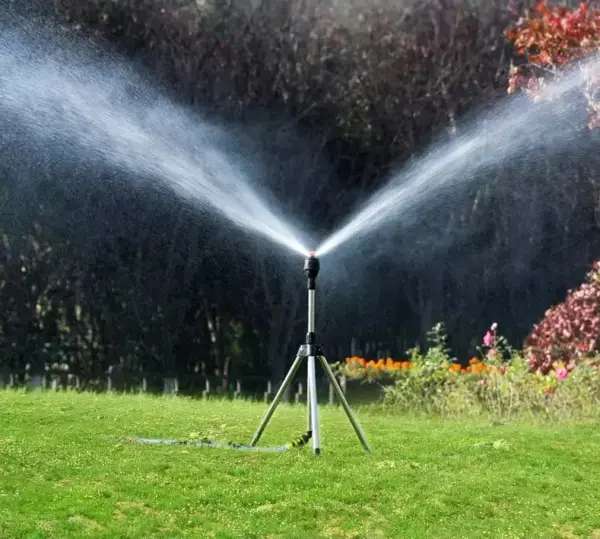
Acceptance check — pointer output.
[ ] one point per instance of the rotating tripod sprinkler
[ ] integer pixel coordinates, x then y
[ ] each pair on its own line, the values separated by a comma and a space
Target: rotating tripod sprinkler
311, 351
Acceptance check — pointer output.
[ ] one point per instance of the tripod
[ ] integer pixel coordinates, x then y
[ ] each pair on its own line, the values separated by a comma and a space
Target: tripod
311, 352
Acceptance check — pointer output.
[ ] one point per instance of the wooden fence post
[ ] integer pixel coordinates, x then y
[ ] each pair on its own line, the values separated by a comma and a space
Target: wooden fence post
238, 390
206, 392
109, 380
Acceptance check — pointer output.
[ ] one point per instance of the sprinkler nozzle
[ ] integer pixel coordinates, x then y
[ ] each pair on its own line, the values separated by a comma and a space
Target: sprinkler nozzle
311, 266
311, 269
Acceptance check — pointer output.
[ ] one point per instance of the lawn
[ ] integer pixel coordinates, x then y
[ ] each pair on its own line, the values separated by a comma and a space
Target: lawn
61, 478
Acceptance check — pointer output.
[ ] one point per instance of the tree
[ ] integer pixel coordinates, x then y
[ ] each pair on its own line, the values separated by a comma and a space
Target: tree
381, 76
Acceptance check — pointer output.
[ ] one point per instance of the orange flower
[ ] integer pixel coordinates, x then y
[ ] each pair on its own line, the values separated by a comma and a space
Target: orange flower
473, 360
385, 364
455, 367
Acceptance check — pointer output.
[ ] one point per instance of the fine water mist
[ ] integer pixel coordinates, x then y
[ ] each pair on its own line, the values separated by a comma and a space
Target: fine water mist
63, 92
509, 130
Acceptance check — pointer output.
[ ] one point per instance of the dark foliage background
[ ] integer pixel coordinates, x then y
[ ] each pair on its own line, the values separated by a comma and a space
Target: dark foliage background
333, 95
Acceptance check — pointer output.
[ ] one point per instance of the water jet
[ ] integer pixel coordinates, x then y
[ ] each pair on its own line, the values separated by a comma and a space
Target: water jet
76, 98
508, 130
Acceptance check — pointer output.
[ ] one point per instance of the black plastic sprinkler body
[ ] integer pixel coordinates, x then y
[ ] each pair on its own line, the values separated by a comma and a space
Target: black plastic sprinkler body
311, 269
311, 352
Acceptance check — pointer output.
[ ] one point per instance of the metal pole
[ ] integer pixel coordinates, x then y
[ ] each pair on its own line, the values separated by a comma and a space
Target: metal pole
311, 311
340, 395
286, 382
311, 267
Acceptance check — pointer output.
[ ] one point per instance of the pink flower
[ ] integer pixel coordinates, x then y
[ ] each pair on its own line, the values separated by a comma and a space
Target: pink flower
561, 374
488, 339
493, 353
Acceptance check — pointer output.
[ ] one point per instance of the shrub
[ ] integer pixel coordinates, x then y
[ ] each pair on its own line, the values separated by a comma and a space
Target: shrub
500, 385
570, 330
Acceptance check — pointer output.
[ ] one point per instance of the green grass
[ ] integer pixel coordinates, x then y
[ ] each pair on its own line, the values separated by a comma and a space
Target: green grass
59, 478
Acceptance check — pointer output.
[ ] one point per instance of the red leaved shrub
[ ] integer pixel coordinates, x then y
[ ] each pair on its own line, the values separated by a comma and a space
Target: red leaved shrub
550, 38
569, 330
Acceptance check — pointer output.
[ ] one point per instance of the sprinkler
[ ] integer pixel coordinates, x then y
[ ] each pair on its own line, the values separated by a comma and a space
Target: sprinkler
311, 351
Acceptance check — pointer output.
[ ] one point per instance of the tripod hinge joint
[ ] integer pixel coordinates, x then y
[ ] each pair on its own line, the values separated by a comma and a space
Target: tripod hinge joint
307, 350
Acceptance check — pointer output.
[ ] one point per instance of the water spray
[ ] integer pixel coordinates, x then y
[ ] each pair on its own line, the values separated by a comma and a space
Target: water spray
497, 136
311, 351
79, 99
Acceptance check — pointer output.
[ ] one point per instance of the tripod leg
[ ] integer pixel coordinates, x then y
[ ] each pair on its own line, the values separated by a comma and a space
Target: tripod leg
314, 411
344, 402
308, 415
284, 385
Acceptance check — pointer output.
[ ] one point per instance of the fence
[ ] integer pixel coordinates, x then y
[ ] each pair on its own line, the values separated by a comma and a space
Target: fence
196, 384
192, 385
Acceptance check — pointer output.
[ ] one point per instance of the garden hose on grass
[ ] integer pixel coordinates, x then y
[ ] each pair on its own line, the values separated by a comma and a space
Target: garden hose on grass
298, 442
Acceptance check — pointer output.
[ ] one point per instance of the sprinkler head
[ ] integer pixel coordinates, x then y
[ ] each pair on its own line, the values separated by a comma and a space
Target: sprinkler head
311, 266
311, 269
